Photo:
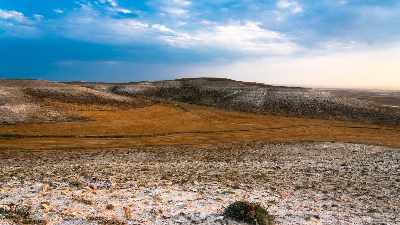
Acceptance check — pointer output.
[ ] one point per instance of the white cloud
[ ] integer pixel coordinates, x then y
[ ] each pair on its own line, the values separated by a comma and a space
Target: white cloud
107, 30
15, 24
297, 9
125, 11
206, 22
180, 39
130, 24
285, 4
181, 23
182, 2
90, 23
19, 30
293, 6
58, 11
248, 38
162, 28
12, 15
177, 39
112, 2
176, 11
38, 17
342, 2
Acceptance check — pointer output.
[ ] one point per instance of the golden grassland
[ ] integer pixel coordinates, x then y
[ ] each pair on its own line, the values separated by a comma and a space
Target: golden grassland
167, 124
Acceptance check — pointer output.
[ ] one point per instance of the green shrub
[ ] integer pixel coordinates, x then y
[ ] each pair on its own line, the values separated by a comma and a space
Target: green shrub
249, 212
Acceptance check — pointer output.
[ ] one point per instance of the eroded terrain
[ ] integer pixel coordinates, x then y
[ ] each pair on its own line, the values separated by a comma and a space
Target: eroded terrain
315, 183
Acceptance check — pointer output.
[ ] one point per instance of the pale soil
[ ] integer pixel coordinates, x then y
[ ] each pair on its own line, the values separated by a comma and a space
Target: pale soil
313, 183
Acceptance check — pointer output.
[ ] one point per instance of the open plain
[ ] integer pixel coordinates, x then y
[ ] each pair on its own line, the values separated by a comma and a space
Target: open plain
178, 152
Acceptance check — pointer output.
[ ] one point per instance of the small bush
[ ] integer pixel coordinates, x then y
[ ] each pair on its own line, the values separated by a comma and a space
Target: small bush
77, 184
249, 212
110, 206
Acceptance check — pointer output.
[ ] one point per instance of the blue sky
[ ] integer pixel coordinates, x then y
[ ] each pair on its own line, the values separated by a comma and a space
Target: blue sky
304, 42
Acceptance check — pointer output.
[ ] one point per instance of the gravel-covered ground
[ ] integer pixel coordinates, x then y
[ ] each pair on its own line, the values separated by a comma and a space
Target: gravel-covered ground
315, 183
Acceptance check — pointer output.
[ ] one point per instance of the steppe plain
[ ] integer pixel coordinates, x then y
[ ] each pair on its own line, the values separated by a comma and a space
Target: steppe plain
179, 152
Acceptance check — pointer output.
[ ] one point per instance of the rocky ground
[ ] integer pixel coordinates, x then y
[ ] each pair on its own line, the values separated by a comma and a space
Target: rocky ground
302, 183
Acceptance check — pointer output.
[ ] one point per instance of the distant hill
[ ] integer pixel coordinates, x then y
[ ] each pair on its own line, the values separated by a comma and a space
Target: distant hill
255, 98
40, 101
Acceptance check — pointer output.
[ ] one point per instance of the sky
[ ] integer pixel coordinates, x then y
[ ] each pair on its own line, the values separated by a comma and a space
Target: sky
326, 43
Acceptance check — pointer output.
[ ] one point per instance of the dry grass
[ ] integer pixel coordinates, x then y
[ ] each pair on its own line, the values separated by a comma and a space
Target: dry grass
167, 124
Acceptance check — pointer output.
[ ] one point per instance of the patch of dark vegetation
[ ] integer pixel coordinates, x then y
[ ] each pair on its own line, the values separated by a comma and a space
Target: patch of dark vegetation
82, 200
77, 184
248, 212
18, 214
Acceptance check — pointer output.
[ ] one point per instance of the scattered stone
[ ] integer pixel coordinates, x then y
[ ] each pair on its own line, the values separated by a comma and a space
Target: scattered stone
67, 212
302, 183
45, 206
127, 211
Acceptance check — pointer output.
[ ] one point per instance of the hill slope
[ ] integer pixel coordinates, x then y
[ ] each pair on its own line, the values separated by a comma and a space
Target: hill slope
39, 101
256, 98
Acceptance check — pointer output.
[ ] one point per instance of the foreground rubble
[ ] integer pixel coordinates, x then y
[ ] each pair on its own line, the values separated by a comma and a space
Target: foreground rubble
314, 183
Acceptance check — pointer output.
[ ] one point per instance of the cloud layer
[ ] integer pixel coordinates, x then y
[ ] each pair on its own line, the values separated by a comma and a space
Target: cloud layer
178, 32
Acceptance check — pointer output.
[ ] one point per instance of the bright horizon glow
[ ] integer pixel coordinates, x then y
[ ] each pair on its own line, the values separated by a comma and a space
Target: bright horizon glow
377, 69
296, 43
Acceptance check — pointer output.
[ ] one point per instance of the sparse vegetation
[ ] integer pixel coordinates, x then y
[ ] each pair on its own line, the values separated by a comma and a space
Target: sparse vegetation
199, 178
77, 184
82, 200
109, 206
249, 212
18, 215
